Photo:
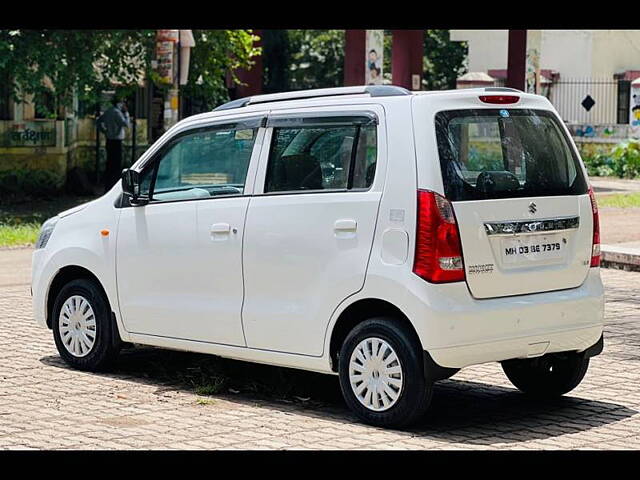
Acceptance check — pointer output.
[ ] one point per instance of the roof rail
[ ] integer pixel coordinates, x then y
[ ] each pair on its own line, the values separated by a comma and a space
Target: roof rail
372, 90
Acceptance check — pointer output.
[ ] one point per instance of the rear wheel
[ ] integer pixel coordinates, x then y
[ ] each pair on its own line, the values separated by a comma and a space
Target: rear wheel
382, 374
82, 326
547, 376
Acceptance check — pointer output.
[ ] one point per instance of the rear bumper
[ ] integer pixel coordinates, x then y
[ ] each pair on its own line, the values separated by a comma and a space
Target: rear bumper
524, 347
458, 330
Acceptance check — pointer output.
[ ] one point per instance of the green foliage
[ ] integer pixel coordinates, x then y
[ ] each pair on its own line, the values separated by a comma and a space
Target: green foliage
53, 64
598, 165
626, 159
42, 182
444, 60
316, 59
218, 52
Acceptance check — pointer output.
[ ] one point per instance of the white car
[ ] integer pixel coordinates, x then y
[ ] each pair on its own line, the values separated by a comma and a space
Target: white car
386, 236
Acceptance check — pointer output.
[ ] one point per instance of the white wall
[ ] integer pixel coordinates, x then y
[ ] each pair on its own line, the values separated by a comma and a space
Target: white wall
573, 53
487, 48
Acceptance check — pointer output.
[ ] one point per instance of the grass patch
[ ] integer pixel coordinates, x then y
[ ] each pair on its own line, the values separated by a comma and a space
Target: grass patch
205, 401
620, 200
212, 386
20, 221
18, 235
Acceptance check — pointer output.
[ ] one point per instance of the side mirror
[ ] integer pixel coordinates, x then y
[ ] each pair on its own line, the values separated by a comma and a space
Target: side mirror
131, 187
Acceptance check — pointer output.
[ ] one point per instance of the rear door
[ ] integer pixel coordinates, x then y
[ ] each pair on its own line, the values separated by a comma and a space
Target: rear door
520, 197
310, 225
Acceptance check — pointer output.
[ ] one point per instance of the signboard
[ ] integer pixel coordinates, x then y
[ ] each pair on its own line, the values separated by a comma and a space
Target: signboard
29, 134
634, 109
168, 36
374, 52
164, 57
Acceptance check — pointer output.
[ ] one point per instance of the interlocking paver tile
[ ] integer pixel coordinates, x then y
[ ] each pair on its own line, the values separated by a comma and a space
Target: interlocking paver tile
44, 404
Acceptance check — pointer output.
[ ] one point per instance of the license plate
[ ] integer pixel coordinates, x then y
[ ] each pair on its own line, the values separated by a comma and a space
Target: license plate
533, 248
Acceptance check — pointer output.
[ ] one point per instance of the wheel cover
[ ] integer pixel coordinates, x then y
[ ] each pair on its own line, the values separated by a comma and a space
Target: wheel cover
375, 374
77, 326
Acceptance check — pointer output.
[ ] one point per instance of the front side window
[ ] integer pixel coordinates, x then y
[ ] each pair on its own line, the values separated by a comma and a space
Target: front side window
322, 158
202, 164
491, 153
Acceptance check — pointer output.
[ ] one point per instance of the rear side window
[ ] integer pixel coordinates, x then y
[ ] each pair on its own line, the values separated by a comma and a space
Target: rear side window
322, 158
492, 153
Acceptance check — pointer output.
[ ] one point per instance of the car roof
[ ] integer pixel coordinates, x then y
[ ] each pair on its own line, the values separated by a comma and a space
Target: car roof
258, 104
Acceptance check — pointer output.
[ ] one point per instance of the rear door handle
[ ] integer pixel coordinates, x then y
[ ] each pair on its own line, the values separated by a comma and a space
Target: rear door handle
345, 225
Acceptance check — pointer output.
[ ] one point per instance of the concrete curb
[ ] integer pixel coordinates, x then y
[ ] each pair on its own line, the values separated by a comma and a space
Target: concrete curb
622, 257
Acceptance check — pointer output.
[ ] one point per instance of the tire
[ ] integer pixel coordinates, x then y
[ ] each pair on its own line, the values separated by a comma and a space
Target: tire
409, 392
84, 354
548, 376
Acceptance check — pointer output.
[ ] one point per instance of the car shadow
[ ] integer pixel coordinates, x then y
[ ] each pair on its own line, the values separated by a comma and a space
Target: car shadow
461, 411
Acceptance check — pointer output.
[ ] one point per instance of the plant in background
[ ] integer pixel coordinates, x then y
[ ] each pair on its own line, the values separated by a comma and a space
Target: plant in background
316, 59
598, 165
444, 60
216, 54
51, 66
626, 159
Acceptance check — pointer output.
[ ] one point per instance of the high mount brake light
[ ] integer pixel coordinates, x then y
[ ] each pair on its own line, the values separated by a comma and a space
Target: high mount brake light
438, 256
595, 249
500, 99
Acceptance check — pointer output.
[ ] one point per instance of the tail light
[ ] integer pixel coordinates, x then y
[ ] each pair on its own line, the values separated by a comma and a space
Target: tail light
500, 99
438, 257
595, 250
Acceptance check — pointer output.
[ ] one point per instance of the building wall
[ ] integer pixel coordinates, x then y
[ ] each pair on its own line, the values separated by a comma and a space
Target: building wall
39, 167
487, 48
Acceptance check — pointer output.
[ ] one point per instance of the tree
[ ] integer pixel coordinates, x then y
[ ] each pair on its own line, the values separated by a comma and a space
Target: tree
276, 60
216, 54
316, 59
62, 63
444, 60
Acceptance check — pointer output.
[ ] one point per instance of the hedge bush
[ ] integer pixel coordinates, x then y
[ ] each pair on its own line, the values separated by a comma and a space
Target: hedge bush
622, 161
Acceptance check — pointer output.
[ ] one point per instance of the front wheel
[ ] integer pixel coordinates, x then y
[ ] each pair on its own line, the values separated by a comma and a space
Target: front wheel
547, 376
382, 374
82, 326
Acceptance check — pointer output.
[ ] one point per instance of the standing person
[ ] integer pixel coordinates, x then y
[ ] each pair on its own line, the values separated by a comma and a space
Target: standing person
112, 123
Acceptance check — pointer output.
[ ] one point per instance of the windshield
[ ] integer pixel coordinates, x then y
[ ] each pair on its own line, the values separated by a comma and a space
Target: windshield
503, 153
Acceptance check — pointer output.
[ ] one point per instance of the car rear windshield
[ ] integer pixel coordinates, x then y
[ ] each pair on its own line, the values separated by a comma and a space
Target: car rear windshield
504, 153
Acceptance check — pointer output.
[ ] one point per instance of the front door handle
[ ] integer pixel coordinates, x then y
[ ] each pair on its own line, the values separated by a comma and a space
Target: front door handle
220, 228
220, 231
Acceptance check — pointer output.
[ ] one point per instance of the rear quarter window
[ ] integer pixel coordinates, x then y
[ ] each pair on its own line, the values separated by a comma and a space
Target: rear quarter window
502, 153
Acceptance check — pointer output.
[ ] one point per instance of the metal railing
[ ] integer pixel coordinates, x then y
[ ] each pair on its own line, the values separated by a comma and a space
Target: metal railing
610, 97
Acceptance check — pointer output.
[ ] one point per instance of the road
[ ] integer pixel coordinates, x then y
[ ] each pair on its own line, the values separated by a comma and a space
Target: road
155, 399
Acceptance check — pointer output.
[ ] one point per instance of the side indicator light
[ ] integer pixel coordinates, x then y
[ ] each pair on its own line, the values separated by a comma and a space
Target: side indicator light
104, 233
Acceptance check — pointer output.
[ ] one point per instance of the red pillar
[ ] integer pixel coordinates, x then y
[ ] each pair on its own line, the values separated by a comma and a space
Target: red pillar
354, 57
406, 57
252, 77
517, 58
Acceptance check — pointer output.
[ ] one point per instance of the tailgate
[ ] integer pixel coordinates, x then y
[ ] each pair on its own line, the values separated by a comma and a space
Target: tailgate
517, 246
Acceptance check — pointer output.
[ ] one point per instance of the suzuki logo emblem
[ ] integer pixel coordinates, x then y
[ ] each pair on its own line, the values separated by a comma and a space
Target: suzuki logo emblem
533, 208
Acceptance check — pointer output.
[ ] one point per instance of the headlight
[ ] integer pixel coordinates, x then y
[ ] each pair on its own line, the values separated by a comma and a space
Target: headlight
46, 231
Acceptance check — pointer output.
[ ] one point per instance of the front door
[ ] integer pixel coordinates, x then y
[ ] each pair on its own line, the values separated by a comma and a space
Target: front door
179, 258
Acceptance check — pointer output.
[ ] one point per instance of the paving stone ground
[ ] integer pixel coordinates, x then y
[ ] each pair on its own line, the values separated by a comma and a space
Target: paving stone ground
144, 403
